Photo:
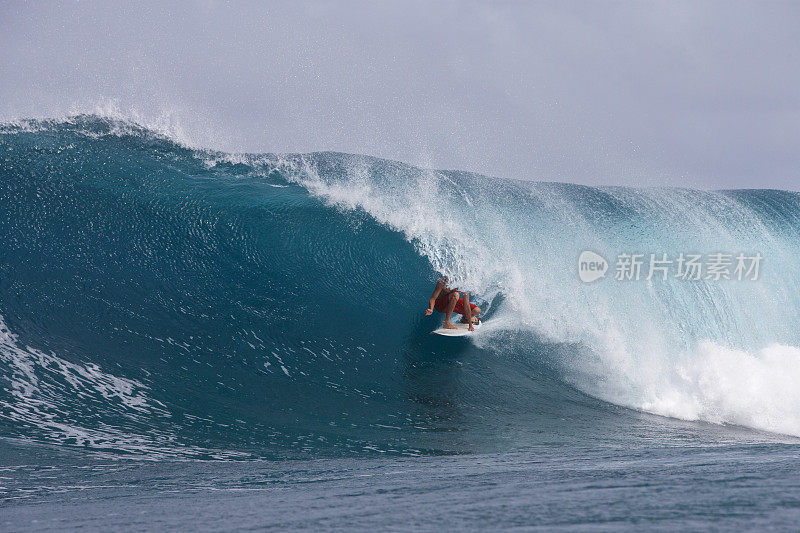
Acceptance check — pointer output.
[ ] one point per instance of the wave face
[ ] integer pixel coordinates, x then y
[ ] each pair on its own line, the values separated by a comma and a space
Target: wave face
160, 300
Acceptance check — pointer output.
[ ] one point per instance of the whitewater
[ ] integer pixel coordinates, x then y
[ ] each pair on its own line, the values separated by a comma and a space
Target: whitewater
257, 320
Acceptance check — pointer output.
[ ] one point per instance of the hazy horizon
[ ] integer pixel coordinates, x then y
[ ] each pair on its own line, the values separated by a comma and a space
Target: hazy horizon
638, 94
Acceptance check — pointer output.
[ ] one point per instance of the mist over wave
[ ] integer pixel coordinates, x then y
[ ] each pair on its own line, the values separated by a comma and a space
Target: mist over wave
161, 299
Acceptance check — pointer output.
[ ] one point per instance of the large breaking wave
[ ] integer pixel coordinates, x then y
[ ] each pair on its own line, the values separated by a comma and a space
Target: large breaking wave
162, 300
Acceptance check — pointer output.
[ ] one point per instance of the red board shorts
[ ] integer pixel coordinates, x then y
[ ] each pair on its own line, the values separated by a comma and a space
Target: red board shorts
441, 306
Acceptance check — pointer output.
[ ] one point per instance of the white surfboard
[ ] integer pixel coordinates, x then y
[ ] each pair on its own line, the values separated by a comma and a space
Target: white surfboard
460, 331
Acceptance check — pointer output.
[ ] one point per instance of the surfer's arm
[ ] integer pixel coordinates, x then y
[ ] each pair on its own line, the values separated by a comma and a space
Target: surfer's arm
432, 301
468, 311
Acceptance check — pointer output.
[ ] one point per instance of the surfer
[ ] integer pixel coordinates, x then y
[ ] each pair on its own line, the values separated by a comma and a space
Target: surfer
449, 301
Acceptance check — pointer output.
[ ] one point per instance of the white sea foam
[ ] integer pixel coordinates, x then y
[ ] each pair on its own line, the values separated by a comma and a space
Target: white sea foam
723, 385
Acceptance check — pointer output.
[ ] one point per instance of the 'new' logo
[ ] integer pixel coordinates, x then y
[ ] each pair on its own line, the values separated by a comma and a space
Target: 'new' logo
591, 266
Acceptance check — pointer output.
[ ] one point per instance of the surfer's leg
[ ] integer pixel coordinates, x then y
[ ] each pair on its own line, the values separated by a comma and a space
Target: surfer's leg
476, 311
451, 304
467, 310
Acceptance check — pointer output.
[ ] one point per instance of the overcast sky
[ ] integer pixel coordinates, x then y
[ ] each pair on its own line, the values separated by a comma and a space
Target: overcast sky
703, 94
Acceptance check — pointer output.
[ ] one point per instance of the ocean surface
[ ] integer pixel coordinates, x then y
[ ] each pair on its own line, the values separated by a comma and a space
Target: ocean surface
192, 339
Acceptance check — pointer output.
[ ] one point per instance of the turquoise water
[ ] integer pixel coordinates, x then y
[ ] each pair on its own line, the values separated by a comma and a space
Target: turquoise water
240, 339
